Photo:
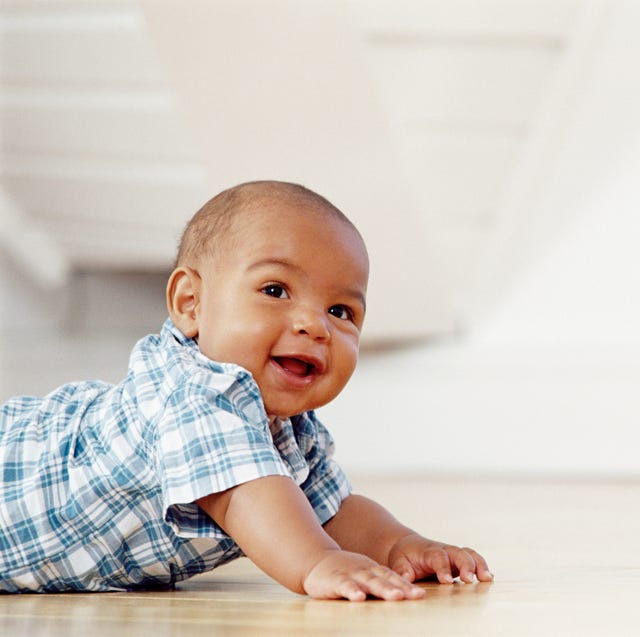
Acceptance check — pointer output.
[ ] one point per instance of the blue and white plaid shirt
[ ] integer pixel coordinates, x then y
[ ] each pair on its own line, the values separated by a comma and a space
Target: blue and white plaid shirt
98, 481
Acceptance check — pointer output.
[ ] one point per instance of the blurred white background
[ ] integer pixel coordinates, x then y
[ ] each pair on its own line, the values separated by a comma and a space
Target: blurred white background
489, 150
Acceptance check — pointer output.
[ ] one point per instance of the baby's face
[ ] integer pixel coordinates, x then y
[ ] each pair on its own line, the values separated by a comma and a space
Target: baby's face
287, 303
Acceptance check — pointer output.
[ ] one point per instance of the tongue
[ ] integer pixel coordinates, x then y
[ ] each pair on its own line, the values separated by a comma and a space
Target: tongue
294, 365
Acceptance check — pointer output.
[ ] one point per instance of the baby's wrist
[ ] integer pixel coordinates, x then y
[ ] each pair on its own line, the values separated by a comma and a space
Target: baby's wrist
396, 545
314, 566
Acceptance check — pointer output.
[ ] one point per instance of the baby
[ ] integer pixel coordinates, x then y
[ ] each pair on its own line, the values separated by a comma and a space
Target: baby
210, 448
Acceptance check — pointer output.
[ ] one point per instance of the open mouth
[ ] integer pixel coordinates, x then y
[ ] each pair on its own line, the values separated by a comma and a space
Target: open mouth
295, 366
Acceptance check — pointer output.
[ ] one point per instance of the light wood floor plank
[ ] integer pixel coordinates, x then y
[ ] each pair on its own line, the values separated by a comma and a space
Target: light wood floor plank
566, 556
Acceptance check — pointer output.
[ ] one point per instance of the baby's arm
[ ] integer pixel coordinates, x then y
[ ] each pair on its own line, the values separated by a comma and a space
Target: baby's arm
364, 526
273, 523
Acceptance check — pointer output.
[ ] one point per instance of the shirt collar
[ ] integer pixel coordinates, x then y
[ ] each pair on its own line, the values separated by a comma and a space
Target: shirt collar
170, 328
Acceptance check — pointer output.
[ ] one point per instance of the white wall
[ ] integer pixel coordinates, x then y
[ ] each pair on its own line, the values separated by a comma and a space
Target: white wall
549, 382
84, 330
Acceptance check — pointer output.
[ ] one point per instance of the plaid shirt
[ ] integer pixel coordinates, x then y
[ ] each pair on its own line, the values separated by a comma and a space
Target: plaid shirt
98, 480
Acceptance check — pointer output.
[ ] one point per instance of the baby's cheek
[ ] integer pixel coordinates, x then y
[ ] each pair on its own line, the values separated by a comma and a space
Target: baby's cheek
345, 365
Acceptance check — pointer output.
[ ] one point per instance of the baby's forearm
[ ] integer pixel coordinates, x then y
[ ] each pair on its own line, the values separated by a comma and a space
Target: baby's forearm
275, 526
363, 526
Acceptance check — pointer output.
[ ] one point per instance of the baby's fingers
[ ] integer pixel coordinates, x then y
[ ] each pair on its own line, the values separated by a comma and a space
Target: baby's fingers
353, 577
446, 563
469, 564
349, 589
439, 562
481, 569
384, 583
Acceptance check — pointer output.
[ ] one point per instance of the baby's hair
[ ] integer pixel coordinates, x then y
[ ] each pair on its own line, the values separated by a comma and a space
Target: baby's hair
213, 224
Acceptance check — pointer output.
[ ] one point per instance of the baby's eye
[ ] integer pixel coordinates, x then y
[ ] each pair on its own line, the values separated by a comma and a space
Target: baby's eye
341, 312
276, 291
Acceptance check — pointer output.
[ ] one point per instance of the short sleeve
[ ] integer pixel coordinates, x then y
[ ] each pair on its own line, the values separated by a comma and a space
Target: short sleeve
212, 435
326, 485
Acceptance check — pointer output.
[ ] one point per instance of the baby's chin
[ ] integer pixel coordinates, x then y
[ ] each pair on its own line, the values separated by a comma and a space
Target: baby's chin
283, 414
283, 406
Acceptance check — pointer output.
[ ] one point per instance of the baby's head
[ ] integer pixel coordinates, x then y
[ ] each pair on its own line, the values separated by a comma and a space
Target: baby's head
272, 277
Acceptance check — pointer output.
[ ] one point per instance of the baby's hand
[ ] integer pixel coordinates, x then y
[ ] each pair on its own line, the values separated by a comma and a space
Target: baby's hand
354, 576
415, 557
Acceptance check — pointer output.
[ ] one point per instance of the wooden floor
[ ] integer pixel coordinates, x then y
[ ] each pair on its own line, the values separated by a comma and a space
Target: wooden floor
566, 557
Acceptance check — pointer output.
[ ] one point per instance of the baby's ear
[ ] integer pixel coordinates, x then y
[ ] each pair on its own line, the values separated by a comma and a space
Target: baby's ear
183, 298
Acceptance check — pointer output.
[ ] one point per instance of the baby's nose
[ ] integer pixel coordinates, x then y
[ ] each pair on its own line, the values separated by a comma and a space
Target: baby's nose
312, 323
